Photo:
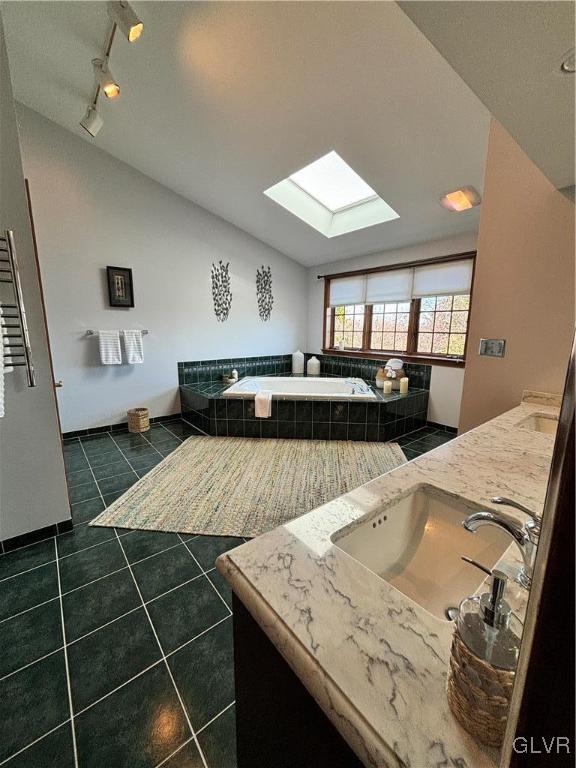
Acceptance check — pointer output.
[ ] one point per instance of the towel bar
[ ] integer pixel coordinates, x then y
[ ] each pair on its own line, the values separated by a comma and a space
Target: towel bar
95, 333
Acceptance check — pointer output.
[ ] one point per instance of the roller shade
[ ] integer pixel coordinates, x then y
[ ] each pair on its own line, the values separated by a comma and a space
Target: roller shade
348, 290
439, 279
396, 285
392, 286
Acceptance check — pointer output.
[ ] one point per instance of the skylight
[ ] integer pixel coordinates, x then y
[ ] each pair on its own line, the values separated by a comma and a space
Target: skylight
331, 197
333, 183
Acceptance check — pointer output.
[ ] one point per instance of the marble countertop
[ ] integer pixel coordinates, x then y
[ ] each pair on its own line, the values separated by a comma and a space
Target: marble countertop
374, 661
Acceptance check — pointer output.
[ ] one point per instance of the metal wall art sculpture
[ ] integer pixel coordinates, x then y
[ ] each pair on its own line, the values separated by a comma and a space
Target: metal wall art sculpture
264, 292
221, 293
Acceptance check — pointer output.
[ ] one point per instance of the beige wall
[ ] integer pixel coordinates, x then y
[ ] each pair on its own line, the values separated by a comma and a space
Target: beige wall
523, 287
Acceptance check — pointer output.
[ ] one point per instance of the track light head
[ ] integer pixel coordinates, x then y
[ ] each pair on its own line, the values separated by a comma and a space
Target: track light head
92, 122
105, 79
124, 17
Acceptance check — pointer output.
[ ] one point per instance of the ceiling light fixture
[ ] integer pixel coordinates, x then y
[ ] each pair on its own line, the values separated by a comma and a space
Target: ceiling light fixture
461, 199
568, 66
105, 78
92, 122
124, 17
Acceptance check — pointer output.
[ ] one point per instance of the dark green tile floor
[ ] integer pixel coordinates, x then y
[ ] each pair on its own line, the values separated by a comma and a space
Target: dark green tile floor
116, 645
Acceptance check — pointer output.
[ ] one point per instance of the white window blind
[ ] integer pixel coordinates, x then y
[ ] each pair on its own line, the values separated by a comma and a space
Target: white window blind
439, 279
392, 286
403, 284
348, 290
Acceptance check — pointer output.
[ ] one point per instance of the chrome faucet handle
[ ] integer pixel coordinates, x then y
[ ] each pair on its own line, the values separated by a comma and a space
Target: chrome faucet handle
515, 505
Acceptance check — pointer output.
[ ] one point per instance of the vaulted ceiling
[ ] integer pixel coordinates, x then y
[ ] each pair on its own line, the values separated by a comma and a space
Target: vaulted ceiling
221, 100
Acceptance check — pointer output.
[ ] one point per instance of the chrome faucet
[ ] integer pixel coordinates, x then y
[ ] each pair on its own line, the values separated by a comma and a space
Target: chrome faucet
525, 535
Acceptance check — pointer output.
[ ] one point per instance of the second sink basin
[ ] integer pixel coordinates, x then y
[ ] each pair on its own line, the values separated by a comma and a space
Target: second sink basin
416, 544
540, 422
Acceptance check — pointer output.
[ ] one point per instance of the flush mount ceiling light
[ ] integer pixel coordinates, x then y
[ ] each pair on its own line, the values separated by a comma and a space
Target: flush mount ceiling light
461, 199
105, 79
92, 122
331, 197
124, 17
568, 65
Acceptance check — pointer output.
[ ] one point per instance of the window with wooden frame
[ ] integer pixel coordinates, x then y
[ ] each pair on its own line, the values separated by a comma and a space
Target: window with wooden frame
418, 310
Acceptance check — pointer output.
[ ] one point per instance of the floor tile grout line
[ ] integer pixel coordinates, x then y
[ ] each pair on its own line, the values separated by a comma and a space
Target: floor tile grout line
26, 610
171, 755
186, 715
126, 459
192, 639
118, 687
75, 589
216, 717
102, 626
31, 744
30, 663
28, 570
148, 668
205, 574
66, 664
136, 562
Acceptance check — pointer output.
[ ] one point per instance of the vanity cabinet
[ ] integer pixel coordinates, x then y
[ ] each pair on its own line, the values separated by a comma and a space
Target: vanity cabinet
278, 723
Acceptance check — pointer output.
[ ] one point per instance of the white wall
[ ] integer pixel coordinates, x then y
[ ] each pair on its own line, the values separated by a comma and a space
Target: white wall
446, 383
91, 211
33, 490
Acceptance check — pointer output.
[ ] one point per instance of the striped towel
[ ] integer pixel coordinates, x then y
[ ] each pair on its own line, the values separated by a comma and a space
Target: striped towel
133, 347
110, 353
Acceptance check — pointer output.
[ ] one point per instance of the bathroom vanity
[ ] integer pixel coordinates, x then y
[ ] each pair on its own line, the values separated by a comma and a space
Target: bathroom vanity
341, 638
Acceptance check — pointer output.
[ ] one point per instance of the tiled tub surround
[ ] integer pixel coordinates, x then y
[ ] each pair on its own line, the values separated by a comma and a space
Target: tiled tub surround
373, 660
393, 416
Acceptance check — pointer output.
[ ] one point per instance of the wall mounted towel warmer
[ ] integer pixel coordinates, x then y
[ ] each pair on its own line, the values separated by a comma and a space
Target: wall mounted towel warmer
15, 333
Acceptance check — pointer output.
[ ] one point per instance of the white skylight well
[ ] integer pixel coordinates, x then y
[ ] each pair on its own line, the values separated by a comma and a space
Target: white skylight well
331, 197
333, 183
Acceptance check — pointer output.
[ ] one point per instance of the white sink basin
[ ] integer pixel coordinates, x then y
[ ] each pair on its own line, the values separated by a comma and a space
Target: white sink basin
416, 544
540, 422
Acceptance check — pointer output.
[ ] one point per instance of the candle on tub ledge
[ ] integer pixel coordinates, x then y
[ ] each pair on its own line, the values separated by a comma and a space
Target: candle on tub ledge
404, 386
387, 388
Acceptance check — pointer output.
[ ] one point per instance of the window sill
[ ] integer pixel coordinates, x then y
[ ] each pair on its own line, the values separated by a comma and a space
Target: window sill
423, 359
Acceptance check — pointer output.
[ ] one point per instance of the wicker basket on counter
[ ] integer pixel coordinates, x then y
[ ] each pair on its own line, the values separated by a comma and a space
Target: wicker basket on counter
138, 420
478, 694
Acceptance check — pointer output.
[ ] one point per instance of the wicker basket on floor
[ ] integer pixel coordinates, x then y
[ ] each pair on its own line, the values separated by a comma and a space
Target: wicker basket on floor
138, 420
478, 694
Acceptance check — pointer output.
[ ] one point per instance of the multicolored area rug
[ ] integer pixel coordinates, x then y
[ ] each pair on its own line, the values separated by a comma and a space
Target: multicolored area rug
235, 486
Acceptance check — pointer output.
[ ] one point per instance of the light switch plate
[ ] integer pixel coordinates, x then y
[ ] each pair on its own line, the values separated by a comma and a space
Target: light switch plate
492, 347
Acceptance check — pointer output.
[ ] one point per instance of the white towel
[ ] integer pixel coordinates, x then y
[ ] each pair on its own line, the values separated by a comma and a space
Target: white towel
263, 404
110, 353
133, 347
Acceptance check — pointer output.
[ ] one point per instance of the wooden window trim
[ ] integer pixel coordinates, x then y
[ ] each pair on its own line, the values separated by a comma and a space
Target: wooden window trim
410, 355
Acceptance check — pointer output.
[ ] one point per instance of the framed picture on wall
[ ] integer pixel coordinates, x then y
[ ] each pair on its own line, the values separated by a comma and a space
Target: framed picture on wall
120, 288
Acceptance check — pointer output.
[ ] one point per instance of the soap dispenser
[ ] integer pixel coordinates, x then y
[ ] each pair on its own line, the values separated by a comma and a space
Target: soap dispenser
483, 660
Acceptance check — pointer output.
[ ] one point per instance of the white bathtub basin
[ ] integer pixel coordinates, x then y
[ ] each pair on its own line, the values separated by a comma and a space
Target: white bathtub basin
304, 388
416, 544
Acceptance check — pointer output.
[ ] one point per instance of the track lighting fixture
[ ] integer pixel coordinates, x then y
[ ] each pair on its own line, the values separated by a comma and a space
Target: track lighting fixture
92, 122
105, 79
124, 17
